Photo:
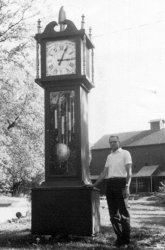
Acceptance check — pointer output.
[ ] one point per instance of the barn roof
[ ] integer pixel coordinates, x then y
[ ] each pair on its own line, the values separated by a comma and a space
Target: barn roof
136, 138
161, 173
146, 171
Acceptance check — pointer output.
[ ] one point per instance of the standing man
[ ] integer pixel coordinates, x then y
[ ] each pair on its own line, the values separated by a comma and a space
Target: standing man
118, 172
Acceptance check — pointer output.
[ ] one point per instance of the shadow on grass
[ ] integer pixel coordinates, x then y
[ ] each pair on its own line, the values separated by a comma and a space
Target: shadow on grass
22, 239
5, 204
18, 239
152, 220
154, 204
150, 201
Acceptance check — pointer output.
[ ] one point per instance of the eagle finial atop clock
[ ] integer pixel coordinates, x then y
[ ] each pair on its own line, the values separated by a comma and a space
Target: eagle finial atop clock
61, 18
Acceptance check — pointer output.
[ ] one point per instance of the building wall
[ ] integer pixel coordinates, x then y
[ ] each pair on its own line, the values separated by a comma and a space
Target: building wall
141, 156
145, 184
98, 160
148, 155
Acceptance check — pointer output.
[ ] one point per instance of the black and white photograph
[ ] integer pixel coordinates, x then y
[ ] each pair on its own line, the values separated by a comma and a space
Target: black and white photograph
82, 124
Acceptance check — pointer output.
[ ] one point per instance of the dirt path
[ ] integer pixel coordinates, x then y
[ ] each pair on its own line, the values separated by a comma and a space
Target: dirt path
145, 211
148, 212
147, 222
9, 206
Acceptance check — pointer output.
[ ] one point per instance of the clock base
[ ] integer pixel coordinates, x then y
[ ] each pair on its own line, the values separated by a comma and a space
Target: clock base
67, 210
64, 183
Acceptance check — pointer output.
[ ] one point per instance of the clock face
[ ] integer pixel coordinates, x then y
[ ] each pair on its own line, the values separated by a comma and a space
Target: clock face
60, 57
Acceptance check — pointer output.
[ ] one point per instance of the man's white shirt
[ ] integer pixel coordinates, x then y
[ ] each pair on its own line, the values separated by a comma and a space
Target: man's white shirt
116, 163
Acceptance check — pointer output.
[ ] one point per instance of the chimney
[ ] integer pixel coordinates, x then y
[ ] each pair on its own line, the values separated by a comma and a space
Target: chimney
156, 125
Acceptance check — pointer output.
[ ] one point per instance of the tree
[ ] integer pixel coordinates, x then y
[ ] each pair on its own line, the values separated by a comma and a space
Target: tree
21, 100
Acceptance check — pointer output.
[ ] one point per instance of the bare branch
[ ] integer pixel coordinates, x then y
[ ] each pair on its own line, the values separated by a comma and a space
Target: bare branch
12, 124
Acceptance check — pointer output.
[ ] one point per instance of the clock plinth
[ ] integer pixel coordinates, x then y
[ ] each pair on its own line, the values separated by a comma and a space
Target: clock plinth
66, 211
65, 198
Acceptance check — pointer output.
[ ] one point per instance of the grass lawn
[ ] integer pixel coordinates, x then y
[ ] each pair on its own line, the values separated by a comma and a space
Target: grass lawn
147, 222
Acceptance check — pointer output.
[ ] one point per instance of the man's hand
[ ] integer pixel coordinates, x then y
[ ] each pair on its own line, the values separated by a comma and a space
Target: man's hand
126, 192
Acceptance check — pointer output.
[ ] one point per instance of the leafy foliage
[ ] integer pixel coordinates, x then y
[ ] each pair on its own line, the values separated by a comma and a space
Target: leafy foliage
161, 192
21, 100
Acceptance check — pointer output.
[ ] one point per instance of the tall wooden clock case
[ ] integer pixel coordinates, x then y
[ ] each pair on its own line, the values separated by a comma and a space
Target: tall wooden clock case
65, 203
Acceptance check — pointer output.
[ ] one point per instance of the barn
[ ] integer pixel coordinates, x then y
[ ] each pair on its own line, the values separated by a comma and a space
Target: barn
147, 148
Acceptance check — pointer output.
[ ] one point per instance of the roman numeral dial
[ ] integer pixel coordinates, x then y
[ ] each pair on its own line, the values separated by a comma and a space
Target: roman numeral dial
60, 57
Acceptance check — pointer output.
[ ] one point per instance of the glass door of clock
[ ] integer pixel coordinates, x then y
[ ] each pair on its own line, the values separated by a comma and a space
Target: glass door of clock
62, 144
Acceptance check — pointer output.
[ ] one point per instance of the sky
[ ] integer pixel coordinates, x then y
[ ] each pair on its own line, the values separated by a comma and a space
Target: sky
129, 39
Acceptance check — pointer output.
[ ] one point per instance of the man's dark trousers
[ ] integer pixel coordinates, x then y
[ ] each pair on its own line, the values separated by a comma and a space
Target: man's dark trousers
118, 208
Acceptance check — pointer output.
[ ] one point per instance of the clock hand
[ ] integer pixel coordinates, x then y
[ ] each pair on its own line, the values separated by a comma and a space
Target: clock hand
63, 55
67, 59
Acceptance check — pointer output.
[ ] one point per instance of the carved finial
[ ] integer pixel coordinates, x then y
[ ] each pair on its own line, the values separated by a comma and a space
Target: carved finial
82, 21
90, 33
39, 26
61, 18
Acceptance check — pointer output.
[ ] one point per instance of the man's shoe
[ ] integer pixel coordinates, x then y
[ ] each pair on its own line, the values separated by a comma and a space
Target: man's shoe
126, 242
118, 243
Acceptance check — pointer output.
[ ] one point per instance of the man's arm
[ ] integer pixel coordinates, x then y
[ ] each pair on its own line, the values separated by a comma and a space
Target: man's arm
129, 176
101, 176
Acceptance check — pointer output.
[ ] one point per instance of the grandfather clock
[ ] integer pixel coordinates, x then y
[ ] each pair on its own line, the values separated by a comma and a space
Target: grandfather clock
65, 202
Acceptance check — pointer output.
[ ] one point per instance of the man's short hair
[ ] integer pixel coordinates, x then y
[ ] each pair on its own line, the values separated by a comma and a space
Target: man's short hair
111, 136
